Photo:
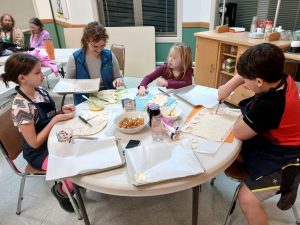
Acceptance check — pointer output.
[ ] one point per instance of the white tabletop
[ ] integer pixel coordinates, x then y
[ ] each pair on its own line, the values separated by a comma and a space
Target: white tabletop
61, 55
6, 91
117, 182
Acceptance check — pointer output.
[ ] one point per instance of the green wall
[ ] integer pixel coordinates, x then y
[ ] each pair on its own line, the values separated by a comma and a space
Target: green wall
50, 27
162, 49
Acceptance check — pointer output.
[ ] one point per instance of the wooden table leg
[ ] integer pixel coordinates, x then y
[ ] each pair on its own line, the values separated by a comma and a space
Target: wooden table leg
195, 205
81, 205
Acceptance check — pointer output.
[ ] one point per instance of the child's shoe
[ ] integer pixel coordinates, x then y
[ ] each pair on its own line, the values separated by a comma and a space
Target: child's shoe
62, 198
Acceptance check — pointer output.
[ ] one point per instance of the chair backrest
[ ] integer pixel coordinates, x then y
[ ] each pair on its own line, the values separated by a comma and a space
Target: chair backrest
119, 52
11, 139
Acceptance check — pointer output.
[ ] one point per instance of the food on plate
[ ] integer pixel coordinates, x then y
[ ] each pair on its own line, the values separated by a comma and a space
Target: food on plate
159, 99
109, 96
131, 122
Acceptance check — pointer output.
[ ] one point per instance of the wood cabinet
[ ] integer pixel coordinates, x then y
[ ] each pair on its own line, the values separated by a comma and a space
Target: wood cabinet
206, 64
216, 58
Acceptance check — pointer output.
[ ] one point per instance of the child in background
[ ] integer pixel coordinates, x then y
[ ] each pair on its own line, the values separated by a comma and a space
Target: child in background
269, 127
38, 33
176, 73
34, 113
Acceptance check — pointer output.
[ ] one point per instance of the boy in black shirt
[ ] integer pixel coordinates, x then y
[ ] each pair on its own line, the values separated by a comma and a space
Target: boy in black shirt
269, 126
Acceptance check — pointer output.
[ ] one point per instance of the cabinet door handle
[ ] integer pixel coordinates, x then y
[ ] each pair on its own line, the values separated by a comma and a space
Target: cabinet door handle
212, 69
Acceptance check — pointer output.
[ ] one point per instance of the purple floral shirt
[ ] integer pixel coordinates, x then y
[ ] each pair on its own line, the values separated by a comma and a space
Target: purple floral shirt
37, 41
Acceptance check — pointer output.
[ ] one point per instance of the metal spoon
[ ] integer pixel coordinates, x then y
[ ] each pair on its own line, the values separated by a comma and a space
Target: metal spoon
92, 101
170, 113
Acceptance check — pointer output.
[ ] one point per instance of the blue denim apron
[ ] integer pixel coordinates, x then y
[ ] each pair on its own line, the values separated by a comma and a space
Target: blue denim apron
46, 111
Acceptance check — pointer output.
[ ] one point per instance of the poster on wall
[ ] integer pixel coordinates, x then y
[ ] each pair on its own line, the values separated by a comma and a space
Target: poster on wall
62, 9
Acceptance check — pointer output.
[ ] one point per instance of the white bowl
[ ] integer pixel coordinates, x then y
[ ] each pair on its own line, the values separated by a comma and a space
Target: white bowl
131, 115
174, 114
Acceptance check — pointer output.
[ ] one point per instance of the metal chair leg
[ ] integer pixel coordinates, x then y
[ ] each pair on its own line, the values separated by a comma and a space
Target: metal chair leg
294, 208
47, 79
212, 181
232, 206
72, 200
21, 191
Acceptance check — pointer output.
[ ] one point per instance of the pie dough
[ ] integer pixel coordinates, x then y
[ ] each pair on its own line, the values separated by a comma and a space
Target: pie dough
212, 126
108, 95
98, 122
159, 99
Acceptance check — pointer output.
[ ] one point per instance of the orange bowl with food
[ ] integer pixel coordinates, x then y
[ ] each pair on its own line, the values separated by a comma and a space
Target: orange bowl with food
131, 122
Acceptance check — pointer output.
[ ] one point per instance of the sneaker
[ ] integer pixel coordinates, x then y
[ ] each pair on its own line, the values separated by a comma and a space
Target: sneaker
62, 198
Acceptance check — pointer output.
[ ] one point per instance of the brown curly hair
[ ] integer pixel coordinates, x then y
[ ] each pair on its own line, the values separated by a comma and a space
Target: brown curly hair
93, 32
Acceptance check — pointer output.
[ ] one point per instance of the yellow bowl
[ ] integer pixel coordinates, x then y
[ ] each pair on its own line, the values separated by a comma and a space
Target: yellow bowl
95, 105
176, 112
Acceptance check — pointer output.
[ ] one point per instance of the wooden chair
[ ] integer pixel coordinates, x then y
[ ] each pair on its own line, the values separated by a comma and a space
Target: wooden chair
238, 173
119, 52
11, 142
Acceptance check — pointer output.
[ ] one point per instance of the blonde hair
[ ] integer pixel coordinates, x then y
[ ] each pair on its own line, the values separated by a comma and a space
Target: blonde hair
185, 54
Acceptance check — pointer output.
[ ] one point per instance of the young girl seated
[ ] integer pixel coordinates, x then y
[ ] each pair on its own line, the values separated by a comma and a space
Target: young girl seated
176, 73
34, 113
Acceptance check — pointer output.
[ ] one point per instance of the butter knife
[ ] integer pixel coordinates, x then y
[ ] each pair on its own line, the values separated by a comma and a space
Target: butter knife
161, 90
85, 121
220, 103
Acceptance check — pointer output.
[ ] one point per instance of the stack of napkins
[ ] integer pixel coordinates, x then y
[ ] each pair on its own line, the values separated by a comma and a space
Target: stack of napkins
161, 161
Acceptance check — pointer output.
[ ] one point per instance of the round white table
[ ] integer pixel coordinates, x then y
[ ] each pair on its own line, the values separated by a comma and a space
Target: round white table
117, 182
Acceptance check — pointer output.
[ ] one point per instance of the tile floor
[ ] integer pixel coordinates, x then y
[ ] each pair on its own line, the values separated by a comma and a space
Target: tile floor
41, 208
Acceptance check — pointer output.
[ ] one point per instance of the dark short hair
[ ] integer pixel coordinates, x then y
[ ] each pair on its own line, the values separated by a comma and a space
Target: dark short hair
93, 32
36, 21
7, 14
265, 61
16, 64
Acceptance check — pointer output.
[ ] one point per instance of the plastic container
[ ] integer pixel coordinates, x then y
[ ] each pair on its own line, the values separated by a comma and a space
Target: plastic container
269, 25
49, 48
157, 128
253, 25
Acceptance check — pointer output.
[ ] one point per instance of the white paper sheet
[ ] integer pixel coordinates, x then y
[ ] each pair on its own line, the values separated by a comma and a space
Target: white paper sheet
200, 95
205, 146
77, 86
162, 161
66, 159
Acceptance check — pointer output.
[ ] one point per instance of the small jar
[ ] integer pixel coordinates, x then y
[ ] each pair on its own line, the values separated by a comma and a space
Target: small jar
153, 110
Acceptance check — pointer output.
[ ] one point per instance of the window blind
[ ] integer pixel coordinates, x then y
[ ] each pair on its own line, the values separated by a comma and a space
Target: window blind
161, 14
118, 13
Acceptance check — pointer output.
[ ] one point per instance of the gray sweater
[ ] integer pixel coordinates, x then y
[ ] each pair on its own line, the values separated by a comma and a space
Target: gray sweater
93, 66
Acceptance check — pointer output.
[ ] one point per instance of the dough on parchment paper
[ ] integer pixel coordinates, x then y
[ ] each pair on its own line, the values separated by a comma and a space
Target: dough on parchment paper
82, 129
213, 127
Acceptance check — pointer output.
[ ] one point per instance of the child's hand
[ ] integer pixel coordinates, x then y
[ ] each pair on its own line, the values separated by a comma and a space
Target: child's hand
161, 82
118, 82
142, 91
69, 108
223, 92
63, 117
